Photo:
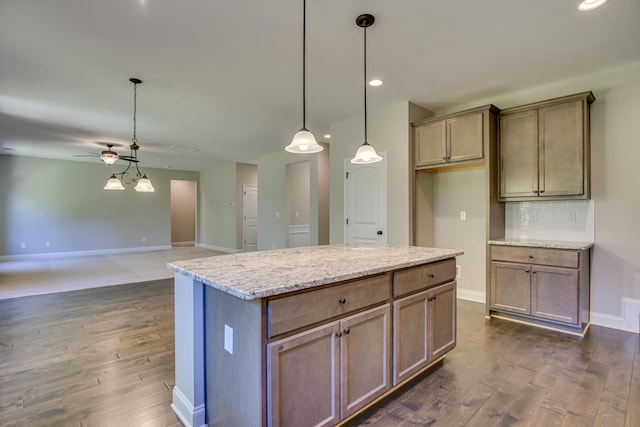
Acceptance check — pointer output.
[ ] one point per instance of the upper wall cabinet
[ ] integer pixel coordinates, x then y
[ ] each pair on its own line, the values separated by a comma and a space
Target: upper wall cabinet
544, 150
453, 139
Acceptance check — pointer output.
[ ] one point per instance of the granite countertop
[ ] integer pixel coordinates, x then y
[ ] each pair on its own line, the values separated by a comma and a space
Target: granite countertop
260, 274
548, 244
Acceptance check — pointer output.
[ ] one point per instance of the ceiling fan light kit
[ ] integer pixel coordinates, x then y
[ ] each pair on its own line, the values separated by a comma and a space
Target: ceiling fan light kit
366, 153
140, 180
303, 141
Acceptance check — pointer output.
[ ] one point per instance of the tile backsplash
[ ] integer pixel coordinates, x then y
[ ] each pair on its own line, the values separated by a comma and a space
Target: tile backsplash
571, 220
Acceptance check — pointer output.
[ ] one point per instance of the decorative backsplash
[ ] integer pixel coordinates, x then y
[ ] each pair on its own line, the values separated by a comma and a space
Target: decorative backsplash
571, 220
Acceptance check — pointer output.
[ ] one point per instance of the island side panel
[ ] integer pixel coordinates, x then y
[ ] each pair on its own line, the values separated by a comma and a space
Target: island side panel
188, 394
234, 373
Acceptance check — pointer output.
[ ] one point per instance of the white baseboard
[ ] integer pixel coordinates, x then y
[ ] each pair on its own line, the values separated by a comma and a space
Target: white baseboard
469, 295
219, 248
629, 321
45, 255
189, 415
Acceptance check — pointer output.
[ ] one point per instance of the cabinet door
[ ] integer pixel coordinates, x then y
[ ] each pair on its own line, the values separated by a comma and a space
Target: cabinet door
442, 319
302, 377
554, 293
519, 154
510, 287
364, 358
410, 335
465, 138
561, 150
431, 144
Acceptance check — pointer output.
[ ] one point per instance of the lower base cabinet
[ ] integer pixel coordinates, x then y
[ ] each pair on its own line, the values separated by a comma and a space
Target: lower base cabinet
424, 329
320, 376
552, 285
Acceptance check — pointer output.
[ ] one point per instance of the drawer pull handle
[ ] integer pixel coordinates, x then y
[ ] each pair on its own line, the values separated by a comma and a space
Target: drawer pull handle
346, 331
433, 298
342, 301
338, 334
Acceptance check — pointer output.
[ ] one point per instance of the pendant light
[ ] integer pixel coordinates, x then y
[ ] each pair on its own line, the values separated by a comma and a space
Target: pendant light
140, 180
366, 153
303, 141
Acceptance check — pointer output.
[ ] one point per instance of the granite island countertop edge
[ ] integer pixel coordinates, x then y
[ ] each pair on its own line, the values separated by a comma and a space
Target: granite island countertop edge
309, 281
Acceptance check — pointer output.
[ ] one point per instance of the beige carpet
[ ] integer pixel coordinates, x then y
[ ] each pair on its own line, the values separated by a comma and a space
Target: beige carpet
59, 274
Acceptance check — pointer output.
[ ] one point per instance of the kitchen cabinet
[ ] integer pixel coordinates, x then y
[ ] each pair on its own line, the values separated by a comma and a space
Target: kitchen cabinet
323, 375
453, 139
544, 150
424, 322
550, 285
348, 361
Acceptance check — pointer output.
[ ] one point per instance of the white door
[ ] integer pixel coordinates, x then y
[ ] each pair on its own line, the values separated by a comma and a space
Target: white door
249, 217
365, 201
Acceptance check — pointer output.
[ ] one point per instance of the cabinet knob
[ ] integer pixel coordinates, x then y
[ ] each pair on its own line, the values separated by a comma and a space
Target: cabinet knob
431, 276
346, 331
530, 256
527, 270
533, 271
342, 301
338, 334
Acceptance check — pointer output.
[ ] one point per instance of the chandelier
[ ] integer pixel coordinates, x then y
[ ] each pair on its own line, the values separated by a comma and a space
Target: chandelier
139, 180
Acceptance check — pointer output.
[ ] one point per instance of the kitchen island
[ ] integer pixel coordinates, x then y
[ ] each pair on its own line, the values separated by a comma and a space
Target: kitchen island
306, 336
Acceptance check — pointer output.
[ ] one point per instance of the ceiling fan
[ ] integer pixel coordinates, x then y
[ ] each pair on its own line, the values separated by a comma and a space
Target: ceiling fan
108, 156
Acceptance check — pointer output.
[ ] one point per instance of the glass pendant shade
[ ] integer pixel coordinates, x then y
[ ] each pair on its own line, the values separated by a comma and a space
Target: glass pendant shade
109, 157
366, 154
144, 185
114, 184
303, 142
587, 5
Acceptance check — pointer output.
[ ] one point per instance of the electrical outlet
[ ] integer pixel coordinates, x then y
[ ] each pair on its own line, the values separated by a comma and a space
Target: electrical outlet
572, 216
144, 239
533, 215
277, 214
48, 244
458, 271
463, 215
228, 339
523, 215
23, 245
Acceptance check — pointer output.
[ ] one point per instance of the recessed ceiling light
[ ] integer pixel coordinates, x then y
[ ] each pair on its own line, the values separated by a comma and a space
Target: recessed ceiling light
590, 5
327, 136
376, 82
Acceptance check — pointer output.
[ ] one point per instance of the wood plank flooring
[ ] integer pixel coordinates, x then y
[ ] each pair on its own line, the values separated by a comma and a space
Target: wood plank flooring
105, 357
99, 357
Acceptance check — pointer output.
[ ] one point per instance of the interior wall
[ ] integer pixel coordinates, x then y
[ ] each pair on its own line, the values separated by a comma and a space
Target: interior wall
53, 206
272, 201
298, 179
217, 207
388, 130
456, 192
183, 212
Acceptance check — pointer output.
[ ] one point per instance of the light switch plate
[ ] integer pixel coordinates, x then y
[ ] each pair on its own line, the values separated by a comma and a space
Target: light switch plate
228, 339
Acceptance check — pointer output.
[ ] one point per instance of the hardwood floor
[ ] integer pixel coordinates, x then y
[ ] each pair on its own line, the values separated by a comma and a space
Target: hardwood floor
94, 357
104, 357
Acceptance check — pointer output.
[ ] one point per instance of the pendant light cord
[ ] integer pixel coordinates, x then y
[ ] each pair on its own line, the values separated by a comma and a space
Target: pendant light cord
304, 65
365, 85
135, 96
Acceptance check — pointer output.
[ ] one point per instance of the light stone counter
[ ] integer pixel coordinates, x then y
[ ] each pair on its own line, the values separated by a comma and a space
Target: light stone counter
261, 274
547, 244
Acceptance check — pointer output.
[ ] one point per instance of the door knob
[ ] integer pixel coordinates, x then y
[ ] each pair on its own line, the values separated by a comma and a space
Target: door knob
379, 232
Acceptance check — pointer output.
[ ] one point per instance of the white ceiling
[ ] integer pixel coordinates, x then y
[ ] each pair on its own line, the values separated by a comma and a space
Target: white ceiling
223, 78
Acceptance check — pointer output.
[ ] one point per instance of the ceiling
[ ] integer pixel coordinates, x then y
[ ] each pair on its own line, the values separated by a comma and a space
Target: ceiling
222, 79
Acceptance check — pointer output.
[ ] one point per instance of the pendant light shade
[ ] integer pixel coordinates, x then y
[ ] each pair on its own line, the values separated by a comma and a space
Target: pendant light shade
139, 180
366, 153
114, 184
304, 141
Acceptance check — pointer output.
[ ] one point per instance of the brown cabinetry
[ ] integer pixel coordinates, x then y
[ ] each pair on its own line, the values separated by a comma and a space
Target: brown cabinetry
452, 139
544, 150
424, 322
541, 284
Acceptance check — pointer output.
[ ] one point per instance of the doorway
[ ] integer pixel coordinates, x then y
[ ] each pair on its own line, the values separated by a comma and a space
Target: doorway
365, 202
183, 213
249, 217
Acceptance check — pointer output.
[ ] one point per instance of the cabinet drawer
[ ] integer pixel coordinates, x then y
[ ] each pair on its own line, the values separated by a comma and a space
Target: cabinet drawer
555, 257
424, 276
296, 311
